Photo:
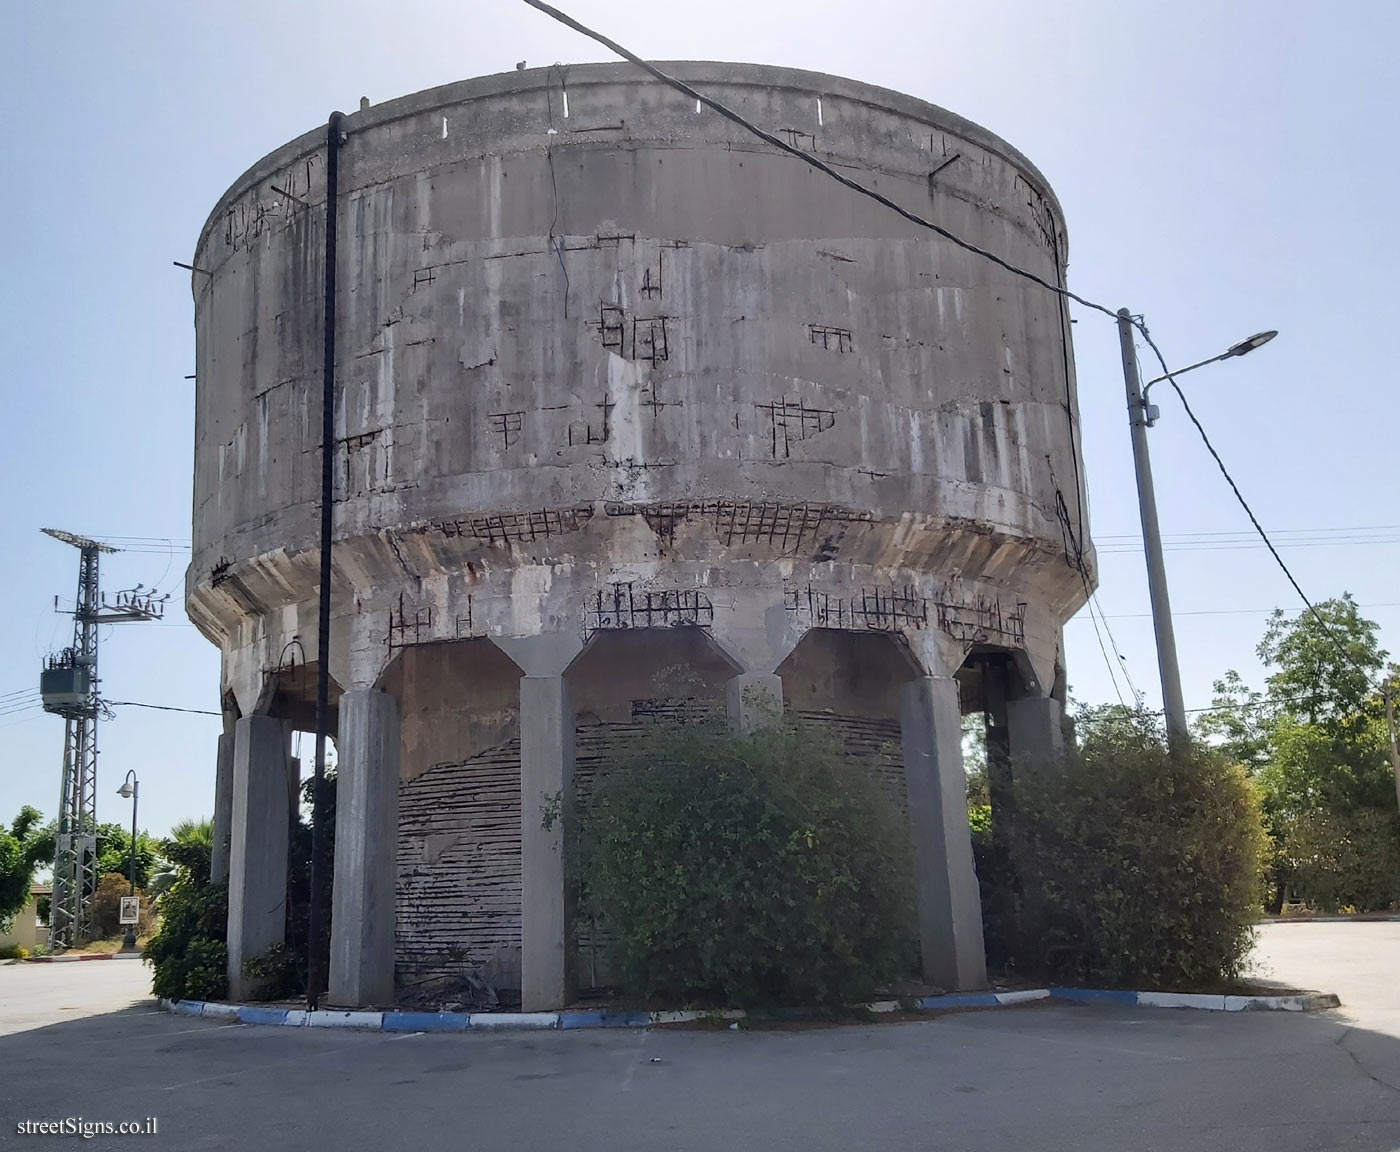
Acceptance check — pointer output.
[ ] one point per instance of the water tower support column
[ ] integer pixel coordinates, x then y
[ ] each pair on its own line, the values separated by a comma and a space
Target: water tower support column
1033, 726
366, 844
945, 879
546, 788
257, 867
223, 803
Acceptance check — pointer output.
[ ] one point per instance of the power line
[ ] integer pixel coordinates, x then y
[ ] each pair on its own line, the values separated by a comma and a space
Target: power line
161, 707
1107, 662
1224, 612
1094, 605
17, 708
1109, 546
1335, 530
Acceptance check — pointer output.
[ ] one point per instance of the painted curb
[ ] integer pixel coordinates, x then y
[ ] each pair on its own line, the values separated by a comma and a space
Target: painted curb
1299, 1002
392, 1021
1355, 918
75, 959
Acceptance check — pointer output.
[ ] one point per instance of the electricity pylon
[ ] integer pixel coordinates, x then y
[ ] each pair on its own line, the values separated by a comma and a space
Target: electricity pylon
68, 687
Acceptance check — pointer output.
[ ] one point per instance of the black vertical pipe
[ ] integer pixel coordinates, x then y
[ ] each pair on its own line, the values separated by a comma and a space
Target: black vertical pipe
314, 966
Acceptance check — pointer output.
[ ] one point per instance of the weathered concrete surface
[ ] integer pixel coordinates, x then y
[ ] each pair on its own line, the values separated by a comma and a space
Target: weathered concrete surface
257, 875
1034, 730
945, 879
680, 357
223, 809
546, 780
606, 364
366, 846
754, 700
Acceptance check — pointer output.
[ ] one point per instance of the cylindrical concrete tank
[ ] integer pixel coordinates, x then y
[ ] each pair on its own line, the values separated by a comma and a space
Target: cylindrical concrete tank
624, 391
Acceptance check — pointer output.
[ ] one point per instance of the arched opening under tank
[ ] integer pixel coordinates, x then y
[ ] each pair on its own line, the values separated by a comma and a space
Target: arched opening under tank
262, 827
623, 679
846, 685
457, 891
1009, 728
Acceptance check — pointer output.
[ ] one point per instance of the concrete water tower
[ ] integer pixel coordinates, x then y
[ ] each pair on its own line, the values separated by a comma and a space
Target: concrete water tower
634, 409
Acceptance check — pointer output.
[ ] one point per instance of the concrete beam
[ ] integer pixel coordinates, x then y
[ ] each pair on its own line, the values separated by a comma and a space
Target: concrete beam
546, 785
223, 809
754, 700
257, 874
945, 878
1034, 730
366, 843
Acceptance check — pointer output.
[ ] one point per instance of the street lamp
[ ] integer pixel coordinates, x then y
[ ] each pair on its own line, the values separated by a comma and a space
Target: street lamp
128, 791
1141, 415
1258, 340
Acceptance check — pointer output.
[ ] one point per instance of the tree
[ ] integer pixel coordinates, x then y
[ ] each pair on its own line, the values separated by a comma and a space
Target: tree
1326, 663
1239, 722
188, 833
21, 851
114, 853
1316, 743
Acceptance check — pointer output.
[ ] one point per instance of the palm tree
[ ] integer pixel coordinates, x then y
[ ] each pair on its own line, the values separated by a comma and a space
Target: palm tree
191, 843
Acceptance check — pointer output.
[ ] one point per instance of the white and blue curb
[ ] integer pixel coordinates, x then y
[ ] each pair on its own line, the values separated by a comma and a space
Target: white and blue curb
605, 1018
1297, 1002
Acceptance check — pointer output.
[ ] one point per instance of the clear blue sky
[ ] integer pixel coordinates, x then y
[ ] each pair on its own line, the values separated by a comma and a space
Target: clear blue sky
1224, 167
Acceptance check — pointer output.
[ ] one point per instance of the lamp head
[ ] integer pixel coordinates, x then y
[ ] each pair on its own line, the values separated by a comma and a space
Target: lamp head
1258, 340
125, 791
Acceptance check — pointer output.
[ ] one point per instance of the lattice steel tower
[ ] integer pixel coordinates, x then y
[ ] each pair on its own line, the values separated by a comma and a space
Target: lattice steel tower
68, 687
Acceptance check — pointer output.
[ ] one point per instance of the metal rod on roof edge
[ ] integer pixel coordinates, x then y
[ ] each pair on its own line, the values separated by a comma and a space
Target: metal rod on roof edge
317, 911
1173, 706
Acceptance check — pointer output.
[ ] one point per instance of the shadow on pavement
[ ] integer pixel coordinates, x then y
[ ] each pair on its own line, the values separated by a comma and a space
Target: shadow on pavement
1061, 1077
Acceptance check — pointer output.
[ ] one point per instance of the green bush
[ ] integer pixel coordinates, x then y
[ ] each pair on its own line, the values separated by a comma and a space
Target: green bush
188, 955
13, 952
1138, 867
1335, 860
755, 871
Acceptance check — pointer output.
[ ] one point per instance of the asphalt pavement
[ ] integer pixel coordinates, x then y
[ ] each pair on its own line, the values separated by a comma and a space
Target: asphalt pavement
1047, 1076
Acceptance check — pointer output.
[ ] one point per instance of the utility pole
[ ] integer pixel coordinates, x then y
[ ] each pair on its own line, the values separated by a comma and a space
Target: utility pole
68, 688
1174, 706
316, 960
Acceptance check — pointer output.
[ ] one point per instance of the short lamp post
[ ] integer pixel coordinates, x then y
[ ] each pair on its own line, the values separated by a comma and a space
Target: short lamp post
128, 791
1141, 416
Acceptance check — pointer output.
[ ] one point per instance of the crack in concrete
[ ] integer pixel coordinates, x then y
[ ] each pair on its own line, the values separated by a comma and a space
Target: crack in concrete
1340, 1042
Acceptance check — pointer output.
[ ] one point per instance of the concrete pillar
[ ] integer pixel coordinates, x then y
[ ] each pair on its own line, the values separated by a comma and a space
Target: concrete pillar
366, 842
945, 879
546, 783
223, 809
257, 869
1033, 724
754, 700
